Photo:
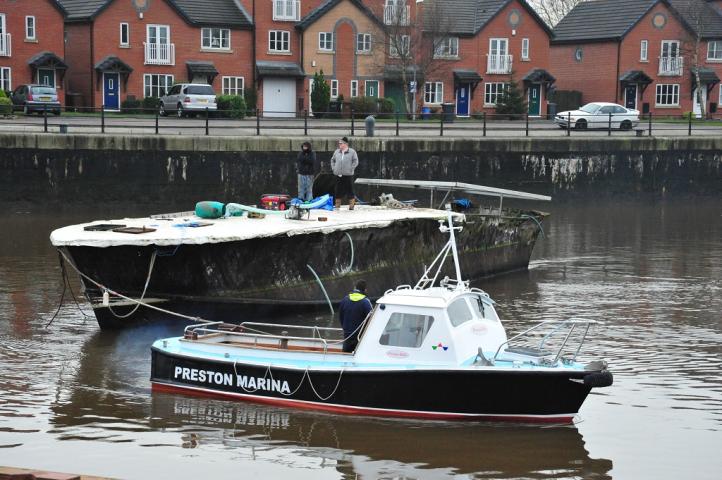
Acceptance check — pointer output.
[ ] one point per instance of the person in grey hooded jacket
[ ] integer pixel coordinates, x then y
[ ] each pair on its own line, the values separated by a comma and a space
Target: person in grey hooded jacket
343, 164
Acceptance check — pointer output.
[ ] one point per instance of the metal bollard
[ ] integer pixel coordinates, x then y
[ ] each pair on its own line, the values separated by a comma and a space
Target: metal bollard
397, 123
484, 115
207, 129
258, 122
305, 122
353, 125
45, 118
609, 126
102, 119
370, 123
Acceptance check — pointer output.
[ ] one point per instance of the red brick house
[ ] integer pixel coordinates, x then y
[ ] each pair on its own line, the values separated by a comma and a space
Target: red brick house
31, 43
490, 43
120, 49
641, 56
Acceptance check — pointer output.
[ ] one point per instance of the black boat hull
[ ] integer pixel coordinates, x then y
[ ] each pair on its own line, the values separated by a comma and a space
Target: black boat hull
511, 395
213, 280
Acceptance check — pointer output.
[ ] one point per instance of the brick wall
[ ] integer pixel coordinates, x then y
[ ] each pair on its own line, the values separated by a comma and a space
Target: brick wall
48, 37
594, 75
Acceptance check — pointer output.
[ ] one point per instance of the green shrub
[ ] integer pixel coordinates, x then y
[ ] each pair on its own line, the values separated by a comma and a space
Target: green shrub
321, 95
250, 95
231, 106
150, 104
364, 106
386, 107
130, 105
6, 105
3, 94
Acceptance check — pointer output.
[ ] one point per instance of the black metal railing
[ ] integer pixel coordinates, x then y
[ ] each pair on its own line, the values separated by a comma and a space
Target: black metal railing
385, 124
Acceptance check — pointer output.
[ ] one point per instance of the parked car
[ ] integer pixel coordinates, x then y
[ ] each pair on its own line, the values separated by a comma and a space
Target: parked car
188, 99
596, 115
35, 98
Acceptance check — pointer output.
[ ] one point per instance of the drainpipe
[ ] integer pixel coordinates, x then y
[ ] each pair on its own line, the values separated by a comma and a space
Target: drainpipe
253, 50
92, 70
616, 78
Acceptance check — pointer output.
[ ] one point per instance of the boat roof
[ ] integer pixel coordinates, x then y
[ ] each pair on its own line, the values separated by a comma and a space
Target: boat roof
189, 229
454, 187
434, 297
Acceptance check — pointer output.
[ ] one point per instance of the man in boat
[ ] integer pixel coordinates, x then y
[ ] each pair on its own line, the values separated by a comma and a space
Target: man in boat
343, 164
353, 310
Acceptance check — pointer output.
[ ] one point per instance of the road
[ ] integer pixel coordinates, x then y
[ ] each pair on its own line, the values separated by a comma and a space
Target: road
146, 125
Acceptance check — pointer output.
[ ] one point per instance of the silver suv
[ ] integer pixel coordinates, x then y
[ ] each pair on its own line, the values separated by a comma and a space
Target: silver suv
188, 99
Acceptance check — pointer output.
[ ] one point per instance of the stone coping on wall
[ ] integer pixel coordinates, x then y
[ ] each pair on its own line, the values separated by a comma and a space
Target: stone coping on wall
175, 143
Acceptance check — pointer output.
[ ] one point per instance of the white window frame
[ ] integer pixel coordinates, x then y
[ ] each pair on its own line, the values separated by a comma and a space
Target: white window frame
284, 40
405, 45
363, 39
674, 94
334, 88
207, 41
492, 92
354, 88
230, 85
525, 49
434, 92
286, 10
717, 50
31, 30
6, 77
325, 41
447, 47
644, 51
125, 43
499, 42
148, 84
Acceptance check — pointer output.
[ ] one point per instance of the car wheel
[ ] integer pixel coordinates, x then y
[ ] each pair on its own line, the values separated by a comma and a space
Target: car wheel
161, 110
625, 125
180, 112
580, 124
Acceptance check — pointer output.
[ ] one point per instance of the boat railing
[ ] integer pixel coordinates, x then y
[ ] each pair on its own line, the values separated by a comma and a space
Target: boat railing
557, 325
253, 330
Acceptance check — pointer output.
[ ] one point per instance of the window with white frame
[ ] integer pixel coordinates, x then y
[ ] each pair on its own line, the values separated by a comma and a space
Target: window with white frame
216, 38
644, 51
363, 43
525, 49
400, 43
30, 28
354, 88
493, 92
668, 94
334, 88
6, 79
447, 47
714, 50
433, 92
279, 41
232, 85
156, 85
124, 35
325, 41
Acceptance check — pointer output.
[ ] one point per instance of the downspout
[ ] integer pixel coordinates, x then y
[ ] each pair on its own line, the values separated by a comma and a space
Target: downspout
253, 54
616, 78
92, 70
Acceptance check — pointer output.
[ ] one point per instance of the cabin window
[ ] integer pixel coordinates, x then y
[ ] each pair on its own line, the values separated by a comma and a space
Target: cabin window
406, 330
459, 312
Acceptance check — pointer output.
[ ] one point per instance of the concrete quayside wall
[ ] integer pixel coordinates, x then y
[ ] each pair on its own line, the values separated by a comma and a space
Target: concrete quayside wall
168, 169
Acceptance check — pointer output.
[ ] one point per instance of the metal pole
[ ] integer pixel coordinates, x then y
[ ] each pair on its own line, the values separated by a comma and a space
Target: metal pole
45, 118
156, 120
569, 124
609, 125
207, 130
305, 122
413, 98
397, 123
441, 131
102, 118
527, 124
258, 121
484, 115
650, 124
689, 125
353, 116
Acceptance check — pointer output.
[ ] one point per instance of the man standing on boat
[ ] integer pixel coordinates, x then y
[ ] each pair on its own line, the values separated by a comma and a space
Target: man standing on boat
353, 310
343, 164
307, 168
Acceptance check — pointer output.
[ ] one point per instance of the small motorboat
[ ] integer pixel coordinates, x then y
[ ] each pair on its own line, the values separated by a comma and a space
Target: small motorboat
436, 350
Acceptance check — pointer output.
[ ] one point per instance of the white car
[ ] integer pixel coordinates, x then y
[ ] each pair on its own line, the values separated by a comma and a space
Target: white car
597, 115
188, 99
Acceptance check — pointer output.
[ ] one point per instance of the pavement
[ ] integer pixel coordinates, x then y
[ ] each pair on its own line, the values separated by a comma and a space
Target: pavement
298, 127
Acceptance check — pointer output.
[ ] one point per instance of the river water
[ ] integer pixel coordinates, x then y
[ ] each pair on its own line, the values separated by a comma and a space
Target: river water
75, 399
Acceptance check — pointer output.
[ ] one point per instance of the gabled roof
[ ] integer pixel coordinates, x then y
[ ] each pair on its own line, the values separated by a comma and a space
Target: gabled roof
326, 7
701, 17
469, 17
600, 20
195, 12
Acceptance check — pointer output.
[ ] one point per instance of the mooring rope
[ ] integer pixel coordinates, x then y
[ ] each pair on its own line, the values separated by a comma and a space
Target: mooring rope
350, 240
306, 374
330, 305
142, 295
537, 222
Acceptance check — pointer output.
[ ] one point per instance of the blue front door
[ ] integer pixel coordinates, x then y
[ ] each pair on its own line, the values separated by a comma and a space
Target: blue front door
462, 100
111, 91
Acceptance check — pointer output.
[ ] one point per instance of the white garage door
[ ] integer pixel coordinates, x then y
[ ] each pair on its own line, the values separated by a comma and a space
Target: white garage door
279, 97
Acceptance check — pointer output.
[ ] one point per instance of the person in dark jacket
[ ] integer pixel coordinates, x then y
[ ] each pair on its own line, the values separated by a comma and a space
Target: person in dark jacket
307, 168
353, 310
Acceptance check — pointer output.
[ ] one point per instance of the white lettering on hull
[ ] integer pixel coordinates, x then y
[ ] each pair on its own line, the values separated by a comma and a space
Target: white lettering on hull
212, 377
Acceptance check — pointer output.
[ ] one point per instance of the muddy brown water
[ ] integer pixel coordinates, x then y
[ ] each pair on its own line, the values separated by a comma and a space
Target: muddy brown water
75, 399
